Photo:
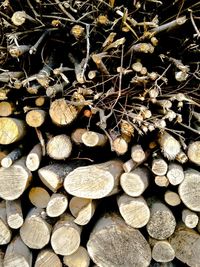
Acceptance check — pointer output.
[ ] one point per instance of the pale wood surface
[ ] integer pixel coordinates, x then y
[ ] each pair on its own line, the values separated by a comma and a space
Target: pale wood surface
194, 152
93, 139
34, 158
129, 165
120, 146
137, 154
14, 180
65, 239
14, 213
186, 243
80, 258
62, 113
162, 251
189, 190
11, 130
35, 232
59, 147
134, 210
6, 108
175, 173
162, 222
11, 157
35, 117
47, 258
57, 205
76, 135
94, 181
170, 147
17, 254
190, 218
161, 181
172, 198
135, 182
39, 197
159, 166
112, 237
5, 231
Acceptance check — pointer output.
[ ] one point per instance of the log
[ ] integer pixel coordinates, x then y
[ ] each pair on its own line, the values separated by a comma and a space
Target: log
11, 157
1, 258
11, 130
82, 209
17, 254
159, 167
76, 135
193, 152
39, 197
162, 222
93, 139
65, 239
181, 157
47, 258
135, 182
137, 154
61, 113
35, 117
59, 147
35, 232
14, 180
113, 243
34, 158
175, 173
129, 165
57, 205
120, 146
170, 147
14, 213
80, 258
172, 198
162, 251
190, 218
94, 181
186, 243
5, 232
6, 108
53, 175
134, 210
161, 181
3, 153
189, 190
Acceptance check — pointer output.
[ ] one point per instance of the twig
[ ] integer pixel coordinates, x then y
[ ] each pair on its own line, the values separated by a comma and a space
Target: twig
64, 10
34, 48
88, 49
194, 24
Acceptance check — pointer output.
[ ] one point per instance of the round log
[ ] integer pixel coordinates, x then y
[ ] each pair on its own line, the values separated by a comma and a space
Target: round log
35, 232
11, 130
47, 258
5, 232
175, 173
39, 197
57, 205
190, 218
120, 146
162, 251
129, 165
135, 182
170, 147
34, 158
189, 190
11, 157
14, 213
82, 209
93, 139
17, 254
94, 181
80, 258
172, 198
159, 167
161, 181
162, 222
61, 113
137, 154
76, 135
6, 108
35, 117
59, 147
14, 180
135, 211
194, 152
114, 243
186, 243
65, 239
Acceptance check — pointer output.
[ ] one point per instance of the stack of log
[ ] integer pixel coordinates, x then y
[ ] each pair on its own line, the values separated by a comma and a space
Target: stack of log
99, 146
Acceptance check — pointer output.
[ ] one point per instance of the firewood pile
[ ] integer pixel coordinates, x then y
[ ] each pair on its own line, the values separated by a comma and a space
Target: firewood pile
99, 133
